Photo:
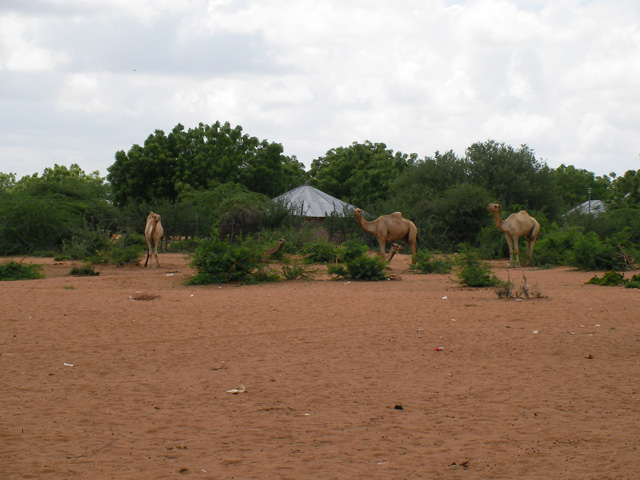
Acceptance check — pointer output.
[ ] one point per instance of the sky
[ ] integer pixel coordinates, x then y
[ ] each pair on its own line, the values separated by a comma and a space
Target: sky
81, 80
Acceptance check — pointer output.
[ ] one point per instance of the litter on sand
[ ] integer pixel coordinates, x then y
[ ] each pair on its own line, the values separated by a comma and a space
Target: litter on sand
236, 391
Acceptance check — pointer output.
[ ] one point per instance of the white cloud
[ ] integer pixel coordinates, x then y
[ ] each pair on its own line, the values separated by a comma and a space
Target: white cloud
557, 75
19, 50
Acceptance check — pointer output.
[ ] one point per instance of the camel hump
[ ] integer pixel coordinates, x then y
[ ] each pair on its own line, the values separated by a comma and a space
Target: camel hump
397, 215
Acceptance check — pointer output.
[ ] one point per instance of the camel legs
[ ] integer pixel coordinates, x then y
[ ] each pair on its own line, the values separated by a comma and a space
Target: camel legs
151, 254
383, 245
531, 242
514, 251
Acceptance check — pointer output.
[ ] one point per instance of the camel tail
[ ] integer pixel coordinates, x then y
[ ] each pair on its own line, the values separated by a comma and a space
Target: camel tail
535, 231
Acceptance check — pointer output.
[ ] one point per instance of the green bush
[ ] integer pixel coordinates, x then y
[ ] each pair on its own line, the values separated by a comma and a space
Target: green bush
362, 267
84, 270
611, 278
615, 279
426, 263
352, 249
634, 282
219, 261
473, 272
320, 252
295, 271
20, 271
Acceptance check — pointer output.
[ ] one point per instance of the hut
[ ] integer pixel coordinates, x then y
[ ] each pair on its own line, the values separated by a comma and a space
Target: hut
315, 207
314, 204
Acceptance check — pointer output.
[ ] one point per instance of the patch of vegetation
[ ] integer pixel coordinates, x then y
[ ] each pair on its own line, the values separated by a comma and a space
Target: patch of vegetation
474, 272
20, 271
362, 267
615, 279
84, 271
296, 271
320, 252
427, 263
220, 261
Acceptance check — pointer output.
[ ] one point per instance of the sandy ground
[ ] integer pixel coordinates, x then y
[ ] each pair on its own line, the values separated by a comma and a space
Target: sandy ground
343, 380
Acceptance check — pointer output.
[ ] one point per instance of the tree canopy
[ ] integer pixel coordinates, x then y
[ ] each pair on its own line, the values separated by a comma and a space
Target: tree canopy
201, 158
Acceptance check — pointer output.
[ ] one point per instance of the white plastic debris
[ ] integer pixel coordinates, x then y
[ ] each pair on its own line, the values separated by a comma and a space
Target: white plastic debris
236, 391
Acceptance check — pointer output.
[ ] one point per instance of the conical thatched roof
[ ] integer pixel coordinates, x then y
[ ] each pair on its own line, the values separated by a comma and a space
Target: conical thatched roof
311, 202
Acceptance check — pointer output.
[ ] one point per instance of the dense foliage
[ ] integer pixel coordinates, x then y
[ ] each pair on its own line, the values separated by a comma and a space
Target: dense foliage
199, 159
217, 178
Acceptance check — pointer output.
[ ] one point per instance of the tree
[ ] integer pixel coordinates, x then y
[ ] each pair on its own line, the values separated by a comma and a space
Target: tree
43, 212
625, 190
515, 177
574, 184
360, 174
201, 158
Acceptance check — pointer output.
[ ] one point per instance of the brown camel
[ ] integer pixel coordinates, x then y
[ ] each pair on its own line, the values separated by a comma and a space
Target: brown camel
515, 226
153, 232
389, 228
272, 251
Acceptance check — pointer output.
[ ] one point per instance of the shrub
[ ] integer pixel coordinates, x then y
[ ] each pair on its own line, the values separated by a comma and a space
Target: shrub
634, 282
85, 270
590, 253
320, 252
353, 248
295, 271
612, 279
219, 261
20, 271
362, 267
473, 272
426, 263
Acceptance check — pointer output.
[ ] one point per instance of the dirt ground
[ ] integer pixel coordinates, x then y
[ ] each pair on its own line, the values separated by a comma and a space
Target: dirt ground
126, 376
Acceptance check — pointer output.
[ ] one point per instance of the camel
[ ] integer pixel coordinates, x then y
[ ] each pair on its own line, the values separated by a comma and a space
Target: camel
272, 251
153, 233
389, 228
515, 226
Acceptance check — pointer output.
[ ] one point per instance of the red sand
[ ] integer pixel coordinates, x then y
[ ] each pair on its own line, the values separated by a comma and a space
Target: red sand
343, 379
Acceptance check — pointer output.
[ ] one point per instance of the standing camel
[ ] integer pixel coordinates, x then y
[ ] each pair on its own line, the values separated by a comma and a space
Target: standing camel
389, 228
515, 226
153, 233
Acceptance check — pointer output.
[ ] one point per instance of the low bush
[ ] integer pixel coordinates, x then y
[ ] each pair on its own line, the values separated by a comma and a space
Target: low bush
427, 263
320, 252
84, 271
615, 279
357, 264
219, 261
20, 271
362, 267
474, 272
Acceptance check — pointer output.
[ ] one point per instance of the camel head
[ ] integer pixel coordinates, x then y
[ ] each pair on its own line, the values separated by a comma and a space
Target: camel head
357, 212
494, 207
154, 217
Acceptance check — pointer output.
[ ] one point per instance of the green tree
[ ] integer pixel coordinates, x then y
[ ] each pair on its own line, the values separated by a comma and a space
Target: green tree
360, 174
574, 184
42, 212
515, 177
201, 158
625, 190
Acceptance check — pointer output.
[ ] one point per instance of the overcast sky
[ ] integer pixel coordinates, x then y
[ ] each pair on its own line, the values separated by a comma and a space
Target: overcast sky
82, 79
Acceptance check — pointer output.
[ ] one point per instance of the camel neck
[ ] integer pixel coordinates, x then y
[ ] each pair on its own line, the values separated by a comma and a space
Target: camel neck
497, 216
366, 226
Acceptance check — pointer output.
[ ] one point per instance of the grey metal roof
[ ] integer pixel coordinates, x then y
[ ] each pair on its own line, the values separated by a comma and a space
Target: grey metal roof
594, 207
311, 202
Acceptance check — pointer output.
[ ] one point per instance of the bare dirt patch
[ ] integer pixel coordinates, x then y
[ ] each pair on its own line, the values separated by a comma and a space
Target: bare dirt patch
128, 375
